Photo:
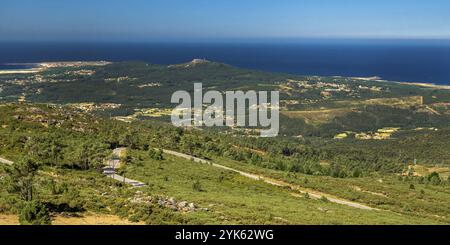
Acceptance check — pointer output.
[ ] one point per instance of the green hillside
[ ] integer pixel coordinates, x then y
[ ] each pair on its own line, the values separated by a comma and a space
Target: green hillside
350, 150
68, 149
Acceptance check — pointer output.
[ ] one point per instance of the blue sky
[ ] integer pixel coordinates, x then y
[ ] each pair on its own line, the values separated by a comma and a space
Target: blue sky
146, 20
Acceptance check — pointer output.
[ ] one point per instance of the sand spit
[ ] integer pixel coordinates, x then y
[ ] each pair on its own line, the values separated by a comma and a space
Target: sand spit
39, 67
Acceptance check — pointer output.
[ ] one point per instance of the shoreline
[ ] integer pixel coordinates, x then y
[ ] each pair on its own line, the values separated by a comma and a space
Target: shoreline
21, 71
34, 68
420, 84
41, 66
427, 85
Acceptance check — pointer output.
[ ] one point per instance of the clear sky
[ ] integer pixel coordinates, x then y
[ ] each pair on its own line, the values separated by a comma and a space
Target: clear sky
142, 20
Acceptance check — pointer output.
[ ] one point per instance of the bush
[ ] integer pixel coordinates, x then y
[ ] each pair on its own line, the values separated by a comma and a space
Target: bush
72, 198
196, 186
155, 154
34, 213
434, 178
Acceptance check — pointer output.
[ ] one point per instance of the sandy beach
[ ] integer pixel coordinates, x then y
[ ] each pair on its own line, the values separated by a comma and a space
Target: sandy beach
22, 71
427, 85
46, 65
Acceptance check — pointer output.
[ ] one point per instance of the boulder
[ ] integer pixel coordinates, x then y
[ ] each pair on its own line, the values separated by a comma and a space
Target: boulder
182, 204
172, 201
173, 207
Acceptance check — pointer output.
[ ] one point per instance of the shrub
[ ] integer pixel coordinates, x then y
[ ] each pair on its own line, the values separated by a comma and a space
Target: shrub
155, 154
196, 186
73, 200
34, 213
434, 178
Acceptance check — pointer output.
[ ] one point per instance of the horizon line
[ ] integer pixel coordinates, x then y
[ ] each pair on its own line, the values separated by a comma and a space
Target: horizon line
229, 40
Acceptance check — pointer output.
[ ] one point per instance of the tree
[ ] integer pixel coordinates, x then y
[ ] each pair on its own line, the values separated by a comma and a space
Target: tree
55, 152
130, 139
434, 178
83, 156
22, 176
34, 213
155, 154
356, 173
39, 148
97, 154
89, 154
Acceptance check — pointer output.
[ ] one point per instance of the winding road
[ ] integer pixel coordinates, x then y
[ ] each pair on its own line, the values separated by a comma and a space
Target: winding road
312, 193
110, 170
115, 163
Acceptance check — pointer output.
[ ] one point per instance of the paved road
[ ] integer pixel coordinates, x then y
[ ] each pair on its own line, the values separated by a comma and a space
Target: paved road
113, 164
312, 193
134, 183
110, 171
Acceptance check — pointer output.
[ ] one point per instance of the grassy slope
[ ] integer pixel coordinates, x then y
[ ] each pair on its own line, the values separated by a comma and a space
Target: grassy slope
233, 199
384, 192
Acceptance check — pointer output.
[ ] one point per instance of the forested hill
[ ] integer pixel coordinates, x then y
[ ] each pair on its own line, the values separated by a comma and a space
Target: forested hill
141, 84
310, 105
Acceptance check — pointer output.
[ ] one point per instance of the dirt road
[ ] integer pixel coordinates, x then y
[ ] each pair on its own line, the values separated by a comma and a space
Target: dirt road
312, 193
5, 161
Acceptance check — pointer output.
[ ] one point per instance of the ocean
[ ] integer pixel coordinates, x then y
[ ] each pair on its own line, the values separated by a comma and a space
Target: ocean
408, 61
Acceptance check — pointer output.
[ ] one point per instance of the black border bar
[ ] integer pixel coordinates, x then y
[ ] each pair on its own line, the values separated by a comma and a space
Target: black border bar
146, 234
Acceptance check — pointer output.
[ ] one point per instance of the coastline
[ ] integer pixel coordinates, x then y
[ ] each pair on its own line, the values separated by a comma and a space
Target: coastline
21, 71
41, 66
34, 68
427, 85
419, 84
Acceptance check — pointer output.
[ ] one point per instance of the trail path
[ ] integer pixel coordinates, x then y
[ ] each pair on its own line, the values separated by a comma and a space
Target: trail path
312, 193
5, 161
